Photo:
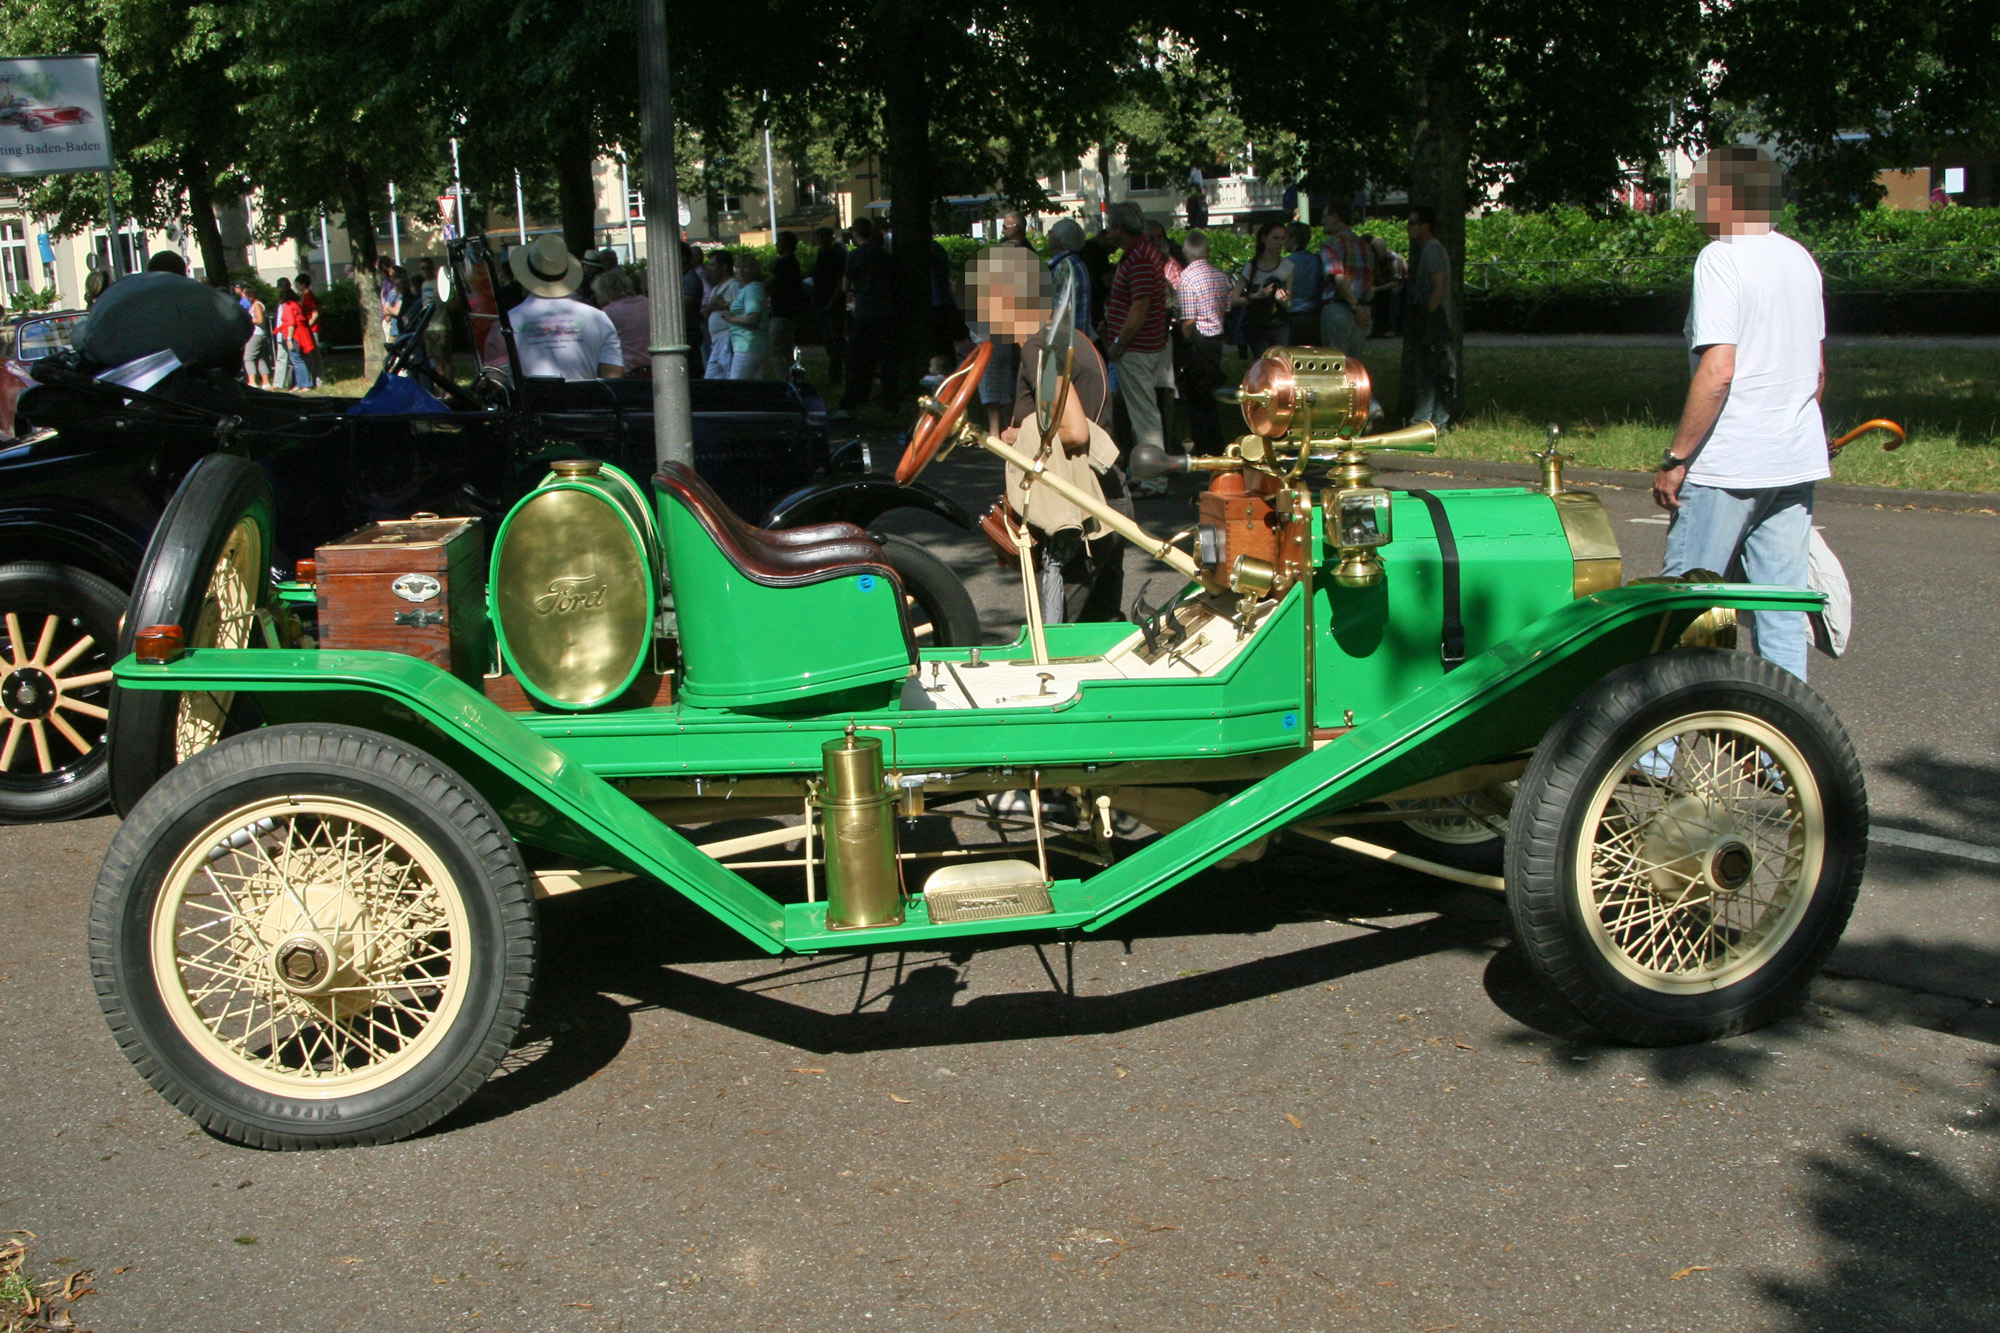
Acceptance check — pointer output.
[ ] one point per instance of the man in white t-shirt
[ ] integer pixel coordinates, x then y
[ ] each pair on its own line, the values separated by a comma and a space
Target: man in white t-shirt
559, 336
1738, 476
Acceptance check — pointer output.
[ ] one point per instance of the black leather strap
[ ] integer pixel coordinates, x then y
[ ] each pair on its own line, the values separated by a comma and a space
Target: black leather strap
1451, 647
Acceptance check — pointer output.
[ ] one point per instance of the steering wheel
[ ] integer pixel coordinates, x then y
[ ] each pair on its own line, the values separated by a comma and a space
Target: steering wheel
934, 430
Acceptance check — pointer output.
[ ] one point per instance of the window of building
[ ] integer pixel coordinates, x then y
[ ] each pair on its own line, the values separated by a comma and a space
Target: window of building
732, 203
1067, 181
127, 251
809, 194
15, 274
1139, 182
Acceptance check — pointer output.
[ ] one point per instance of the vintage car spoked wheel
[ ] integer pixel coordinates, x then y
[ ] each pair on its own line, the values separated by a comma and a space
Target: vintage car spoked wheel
934, 428
311, 936
60, 628
207, 570
1686, 846
1455, 831
940, 610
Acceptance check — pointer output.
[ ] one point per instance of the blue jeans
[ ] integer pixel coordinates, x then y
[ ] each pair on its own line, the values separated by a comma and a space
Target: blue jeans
1761, 536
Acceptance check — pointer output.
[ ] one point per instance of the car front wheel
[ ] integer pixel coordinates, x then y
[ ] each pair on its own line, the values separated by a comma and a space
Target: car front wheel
1686, 847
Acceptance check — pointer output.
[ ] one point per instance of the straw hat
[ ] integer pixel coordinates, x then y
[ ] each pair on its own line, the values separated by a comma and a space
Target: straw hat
545, 268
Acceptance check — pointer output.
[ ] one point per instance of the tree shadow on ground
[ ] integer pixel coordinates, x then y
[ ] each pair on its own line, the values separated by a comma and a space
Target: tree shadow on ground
1909, 1241
1967, 795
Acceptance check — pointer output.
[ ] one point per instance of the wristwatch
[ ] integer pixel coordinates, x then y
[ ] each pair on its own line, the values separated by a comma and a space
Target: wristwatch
1669, 460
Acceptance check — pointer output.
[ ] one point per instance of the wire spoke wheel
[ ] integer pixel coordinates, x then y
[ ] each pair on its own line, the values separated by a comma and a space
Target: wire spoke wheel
1686, 846
311, 948
1698, 852
312, 936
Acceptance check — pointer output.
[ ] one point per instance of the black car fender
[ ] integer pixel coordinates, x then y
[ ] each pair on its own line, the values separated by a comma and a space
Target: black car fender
75, 535
860, 500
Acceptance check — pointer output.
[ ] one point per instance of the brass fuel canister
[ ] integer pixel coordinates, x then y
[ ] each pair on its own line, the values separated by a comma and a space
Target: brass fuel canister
861, 882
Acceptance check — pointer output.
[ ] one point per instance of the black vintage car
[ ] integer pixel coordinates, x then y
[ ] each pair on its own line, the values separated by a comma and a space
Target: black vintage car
84, 487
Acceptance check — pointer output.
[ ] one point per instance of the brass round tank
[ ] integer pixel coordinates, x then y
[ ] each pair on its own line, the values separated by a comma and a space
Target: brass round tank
862, 889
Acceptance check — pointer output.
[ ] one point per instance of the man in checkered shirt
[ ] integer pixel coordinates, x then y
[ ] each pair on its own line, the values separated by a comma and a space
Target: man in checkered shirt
1204, 298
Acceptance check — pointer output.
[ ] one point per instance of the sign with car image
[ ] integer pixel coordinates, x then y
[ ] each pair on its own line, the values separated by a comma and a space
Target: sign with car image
52, 116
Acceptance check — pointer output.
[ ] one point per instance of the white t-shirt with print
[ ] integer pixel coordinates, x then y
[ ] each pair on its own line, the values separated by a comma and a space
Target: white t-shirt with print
564, 338
1762, 294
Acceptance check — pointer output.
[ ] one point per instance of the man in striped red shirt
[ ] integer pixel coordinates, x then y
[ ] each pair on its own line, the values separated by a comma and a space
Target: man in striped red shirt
1135, 323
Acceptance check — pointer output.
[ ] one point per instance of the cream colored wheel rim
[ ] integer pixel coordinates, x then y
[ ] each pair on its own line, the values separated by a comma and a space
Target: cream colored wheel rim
1455, 820
228, 609
38, 703
1698, 852
310, 948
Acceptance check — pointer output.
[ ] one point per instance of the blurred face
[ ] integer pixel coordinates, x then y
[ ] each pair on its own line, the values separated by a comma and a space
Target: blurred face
1721, 207
1272, 240
1008, 300
746, 270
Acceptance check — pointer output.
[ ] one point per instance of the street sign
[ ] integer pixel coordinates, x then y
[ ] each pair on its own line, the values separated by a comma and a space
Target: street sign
52, 116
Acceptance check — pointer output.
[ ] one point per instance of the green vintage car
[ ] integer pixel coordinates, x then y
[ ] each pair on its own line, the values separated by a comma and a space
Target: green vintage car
322, 930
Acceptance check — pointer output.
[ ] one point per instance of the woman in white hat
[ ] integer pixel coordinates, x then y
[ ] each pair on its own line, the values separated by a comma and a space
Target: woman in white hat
558, 336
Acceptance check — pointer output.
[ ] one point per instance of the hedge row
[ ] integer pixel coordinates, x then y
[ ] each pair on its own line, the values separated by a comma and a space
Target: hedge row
1569, 252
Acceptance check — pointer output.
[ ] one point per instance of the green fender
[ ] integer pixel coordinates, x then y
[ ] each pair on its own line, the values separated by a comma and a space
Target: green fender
1498, 703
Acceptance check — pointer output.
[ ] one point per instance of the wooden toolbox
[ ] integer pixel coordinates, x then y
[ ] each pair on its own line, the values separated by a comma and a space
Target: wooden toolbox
414, 585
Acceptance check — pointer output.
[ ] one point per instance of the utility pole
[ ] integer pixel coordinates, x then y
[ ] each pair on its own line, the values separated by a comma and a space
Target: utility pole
457, 189
520, 209
673, 417
770, 180
625, 189
395, 231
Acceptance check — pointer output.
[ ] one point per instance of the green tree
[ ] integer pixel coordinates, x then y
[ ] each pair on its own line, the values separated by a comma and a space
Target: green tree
1846, 88
176, 122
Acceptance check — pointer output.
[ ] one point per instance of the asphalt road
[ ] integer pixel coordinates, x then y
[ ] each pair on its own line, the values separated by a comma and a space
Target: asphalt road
1301, 1094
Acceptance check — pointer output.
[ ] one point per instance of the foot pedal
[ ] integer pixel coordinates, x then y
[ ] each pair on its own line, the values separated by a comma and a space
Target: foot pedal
987, 891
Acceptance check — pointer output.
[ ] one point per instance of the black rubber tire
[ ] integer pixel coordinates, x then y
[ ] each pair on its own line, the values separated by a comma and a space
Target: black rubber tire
218, 492
308, 760
1575, 758
32, 592
939, 595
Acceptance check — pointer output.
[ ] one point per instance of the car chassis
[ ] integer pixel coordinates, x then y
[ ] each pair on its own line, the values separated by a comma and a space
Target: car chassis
322, 931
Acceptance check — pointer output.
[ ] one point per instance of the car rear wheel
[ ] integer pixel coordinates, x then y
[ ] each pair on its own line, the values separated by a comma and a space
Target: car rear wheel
60, 627
206, 570
1686, 847
313, 936
940, 609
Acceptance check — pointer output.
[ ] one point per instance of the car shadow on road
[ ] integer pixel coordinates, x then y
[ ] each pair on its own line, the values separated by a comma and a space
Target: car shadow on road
612, 952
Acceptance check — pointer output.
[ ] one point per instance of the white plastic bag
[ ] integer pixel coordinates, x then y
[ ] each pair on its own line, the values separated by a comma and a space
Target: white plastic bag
1824, 575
